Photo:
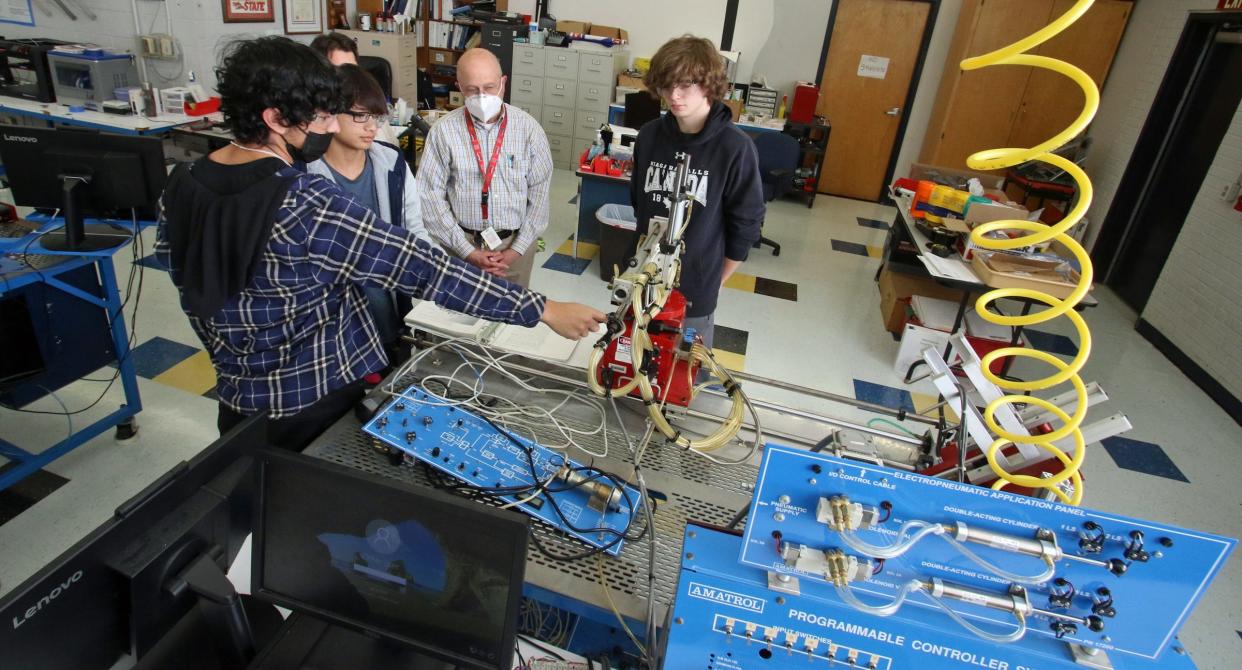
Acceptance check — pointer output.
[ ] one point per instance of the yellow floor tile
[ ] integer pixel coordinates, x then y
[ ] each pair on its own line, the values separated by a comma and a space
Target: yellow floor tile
925, 402
586, 250
741, 282
193, 375
730, 360
874, 252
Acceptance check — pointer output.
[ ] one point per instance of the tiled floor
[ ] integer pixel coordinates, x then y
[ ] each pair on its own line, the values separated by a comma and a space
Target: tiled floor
809, 316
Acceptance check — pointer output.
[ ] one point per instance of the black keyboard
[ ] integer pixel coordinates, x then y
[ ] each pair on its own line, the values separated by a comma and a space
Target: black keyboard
42, 261
11, 229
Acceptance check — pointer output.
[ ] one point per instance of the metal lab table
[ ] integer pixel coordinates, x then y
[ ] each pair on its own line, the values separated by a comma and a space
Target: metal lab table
15, 275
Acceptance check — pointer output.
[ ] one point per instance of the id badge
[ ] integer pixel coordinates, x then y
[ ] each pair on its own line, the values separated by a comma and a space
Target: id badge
491, 239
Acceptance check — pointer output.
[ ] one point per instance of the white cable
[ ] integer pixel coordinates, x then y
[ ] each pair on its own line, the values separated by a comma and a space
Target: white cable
887, 609
899, 546
998, 638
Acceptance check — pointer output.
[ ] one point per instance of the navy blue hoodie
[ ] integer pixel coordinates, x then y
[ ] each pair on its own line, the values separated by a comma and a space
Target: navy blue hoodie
724, 175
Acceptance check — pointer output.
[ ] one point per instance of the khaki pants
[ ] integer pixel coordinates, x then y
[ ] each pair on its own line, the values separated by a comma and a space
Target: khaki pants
520, 269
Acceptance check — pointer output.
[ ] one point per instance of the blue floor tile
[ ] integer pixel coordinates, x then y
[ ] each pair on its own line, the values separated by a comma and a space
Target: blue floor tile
211, 394
157, 355
849, 247
566, 263
573, 200
880, 394
1053, 344
872, 223
1143, 457
150, 262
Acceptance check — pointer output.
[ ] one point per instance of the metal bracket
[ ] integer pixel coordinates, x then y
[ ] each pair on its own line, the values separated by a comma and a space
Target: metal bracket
779, 581
1090, 657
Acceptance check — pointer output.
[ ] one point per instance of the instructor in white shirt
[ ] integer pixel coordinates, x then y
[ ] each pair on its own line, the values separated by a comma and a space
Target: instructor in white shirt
484, 175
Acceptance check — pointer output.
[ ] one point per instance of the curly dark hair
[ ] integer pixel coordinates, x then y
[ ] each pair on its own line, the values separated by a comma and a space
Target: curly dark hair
361, 89
688, 59
255, 74
329, 42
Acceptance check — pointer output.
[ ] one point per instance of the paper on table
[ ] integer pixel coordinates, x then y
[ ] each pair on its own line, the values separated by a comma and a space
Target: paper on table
538, 342
948, 268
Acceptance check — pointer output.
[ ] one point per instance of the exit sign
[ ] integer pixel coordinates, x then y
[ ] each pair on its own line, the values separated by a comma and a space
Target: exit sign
1229, 4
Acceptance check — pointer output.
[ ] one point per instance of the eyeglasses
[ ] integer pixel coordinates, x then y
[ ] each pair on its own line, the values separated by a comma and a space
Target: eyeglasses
489, 89
680, 87
363, 118
321, 118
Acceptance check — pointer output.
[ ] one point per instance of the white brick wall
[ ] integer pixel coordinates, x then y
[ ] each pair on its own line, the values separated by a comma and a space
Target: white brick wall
1142, 57
1197, 302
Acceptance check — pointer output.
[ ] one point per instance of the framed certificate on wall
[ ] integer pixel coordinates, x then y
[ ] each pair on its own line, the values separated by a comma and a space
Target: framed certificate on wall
303, 17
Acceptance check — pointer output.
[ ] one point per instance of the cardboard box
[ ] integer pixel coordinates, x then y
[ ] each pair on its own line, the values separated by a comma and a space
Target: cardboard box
896, 288
609, 31
735, 106
1009, 271
582, 27
630, 81
443, 57
954, 178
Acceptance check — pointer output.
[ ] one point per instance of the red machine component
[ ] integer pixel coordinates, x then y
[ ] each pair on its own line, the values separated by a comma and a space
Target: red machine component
666, 368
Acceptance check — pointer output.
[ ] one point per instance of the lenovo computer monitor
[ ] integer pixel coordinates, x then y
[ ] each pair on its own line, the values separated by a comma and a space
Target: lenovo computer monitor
83, 173
109, 596
413, 566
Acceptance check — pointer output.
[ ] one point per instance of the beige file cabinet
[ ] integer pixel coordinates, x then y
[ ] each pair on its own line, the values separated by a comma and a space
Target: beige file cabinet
568, 91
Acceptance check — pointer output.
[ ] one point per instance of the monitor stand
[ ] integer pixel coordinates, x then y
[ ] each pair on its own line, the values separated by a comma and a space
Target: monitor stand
307, 643
75, 236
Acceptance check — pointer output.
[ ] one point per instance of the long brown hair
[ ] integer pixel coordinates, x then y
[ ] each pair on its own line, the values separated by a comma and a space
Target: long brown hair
688, 59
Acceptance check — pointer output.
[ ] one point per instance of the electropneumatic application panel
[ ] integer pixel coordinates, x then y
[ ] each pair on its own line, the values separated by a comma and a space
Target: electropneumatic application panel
728, 617
1000, 561
575, 499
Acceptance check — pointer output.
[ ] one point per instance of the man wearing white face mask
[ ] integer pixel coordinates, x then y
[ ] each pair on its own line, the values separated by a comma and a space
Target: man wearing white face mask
485, 173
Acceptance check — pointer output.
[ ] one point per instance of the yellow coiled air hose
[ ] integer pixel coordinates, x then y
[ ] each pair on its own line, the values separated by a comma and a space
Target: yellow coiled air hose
1039, 233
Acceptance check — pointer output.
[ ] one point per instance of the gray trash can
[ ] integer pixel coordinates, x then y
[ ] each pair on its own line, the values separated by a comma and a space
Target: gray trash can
618, 230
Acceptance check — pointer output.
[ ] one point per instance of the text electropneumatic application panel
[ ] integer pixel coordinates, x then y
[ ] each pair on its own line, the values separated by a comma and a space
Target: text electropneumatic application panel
1013, 567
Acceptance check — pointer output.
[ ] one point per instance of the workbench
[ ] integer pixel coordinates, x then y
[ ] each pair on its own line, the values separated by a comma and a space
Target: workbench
62, 282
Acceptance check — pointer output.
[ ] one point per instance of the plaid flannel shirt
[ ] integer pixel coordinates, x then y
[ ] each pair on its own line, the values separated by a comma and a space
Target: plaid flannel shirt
300, 329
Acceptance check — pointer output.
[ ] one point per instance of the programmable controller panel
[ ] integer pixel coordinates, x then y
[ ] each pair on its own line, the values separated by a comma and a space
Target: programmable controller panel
730, 617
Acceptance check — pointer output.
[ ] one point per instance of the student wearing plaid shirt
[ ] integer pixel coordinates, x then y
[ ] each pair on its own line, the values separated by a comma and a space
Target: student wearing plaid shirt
493, 223
271, 262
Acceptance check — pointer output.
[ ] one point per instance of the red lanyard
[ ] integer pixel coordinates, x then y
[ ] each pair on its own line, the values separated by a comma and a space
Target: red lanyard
490, 169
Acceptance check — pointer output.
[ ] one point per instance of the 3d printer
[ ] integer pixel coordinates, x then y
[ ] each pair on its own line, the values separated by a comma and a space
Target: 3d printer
89, 76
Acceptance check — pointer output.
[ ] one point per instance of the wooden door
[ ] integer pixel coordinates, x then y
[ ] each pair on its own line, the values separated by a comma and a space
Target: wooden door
1051, 101
865, 111
982, 104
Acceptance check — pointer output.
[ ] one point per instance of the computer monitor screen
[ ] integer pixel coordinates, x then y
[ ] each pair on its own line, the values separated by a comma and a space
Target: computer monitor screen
417, 566
110, 175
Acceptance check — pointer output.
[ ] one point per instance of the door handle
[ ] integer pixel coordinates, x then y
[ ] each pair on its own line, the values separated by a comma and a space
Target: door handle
895, 111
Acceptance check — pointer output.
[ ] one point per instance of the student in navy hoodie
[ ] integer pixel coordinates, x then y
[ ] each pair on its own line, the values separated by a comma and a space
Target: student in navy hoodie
689, 74
377, 177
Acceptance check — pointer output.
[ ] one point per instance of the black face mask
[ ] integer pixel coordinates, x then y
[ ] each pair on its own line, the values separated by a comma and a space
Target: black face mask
313, 147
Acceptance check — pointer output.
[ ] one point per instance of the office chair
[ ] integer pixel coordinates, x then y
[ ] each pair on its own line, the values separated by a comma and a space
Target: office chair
778, 163
380, 69
640, 108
